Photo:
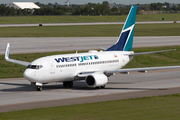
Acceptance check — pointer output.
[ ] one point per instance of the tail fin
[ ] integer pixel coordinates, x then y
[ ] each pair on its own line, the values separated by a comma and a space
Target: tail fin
125, 40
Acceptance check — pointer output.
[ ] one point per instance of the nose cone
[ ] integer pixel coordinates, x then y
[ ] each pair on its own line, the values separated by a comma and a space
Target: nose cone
29, 74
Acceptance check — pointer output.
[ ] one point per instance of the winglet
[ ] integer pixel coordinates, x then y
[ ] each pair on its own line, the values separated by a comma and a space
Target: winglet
7, 51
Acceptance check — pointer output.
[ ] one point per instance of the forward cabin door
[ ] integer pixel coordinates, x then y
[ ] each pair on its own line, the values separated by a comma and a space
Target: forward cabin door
52, 67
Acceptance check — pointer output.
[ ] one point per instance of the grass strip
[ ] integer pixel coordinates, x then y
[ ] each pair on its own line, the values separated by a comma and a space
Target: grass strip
10, 70
90, 30
146, 108
79, 19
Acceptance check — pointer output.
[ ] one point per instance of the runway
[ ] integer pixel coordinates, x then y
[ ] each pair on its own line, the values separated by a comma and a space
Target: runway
49, 44
93, 23
18, 94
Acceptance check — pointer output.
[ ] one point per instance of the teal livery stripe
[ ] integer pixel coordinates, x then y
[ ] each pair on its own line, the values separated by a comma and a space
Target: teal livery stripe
131, 18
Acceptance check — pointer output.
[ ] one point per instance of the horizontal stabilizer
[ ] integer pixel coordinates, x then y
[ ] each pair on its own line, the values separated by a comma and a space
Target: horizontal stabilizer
102, 48
143, 53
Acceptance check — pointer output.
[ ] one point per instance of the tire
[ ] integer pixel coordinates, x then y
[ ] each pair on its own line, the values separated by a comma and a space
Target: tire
65, 84
103, 86
70, 84
39, 88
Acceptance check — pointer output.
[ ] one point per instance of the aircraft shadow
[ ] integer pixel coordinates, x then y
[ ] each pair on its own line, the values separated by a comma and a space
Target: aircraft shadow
120, 83
18, 88
109, 88
77, 86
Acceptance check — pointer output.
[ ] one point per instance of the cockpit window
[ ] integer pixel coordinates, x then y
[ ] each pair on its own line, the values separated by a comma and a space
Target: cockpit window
34, 66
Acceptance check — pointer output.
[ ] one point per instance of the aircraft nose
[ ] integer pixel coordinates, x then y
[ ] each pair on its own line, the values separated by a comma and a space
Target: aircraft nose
28, 74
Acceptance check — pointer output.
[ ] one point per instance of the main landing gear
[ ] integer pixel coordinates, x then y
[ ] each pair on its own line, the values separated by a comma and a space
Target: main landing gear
68, 84
39, 88
101, 87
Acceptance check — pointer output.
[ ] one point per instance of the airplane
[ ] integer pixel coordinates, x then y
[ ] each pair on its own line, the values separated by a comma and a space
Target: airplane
95, 67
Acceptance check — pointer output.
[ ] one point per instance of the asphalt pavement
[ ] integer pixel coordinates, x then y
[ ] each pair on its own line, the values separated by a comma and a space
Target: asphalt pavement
18, 94
93, 23
49, 44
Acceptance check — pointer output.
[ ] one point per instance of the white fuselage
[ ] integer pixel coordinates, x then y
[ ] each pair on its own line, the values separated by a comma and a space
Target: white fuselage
67, 67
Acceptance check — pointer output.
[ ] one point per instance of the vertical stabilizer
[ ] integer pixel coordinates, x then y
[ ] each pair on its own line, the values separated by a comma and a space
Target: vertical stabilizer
125, 40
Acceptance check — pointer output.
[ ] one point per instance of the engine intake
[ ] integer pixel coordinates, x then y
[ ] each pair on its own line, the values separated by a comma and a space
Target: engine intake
96, 80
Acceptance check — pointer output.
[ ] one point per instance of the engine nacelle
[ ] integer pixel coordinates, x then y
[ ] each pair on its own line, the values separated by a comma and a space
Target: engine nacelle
96, 80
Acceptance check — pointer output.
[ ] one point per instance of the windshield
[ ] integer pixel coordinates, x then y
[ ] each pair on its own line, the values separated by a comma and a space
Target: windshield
34, 66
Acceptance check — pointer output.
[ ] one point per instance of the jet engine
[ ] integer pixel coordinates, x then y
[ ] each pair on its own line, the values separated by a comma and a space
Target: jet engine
96, 80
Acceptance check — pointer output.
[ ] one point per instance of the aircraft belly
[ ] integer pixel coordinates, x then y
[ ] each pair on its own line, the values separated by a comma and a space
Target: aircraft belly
65, 74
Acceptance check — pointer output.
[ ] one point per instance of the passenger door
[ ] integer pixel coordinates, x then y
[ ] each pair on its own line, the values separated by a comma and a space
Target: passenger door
52, 67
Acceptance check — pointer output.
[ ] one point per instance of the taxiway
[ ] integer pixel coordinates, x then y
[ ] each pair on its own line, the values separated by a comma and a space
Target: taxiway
17, 94
93, 23
49, 44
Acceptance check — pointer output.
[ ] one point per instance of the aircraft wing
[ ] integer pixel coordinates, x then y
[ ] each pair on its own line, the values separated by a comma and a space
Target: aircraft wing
12, 60
141, 69
85, 74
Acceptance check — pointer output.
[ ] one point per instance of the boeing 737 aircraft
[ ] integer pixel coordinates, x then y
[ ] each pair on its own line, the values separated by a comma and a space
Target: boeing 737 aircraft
94, 67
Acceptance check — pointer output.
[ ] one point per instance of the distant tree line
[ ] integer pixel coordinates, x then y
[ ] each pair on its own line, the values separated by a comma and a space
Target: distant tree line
89, 9
92, 9
159, 7
47, 10
11, 11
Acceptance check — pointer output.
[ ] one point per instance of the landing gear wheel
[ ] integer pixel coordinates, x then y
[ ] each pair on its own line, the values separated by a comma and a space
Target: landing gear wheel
103, 86
65, 84
39, 88
68, 84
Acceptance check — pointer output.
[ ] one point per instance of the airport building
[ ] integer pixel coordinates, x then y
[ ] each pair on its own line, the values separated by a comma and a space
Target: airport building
23, 5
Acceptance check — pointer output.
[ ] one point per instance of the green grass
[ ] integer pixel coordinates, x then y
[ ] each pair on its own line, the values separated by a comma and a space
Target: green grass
10, 70
78, 19
90, 30
147, 108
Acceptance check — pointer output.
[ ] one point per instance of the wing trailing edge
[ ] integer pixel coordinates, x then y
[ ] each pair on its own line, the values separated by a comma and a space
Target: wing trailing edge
141, 69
